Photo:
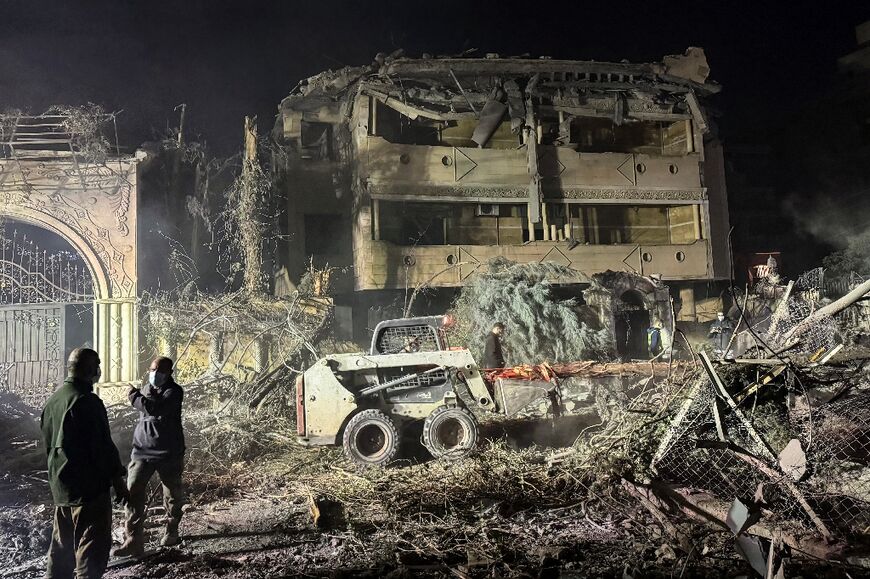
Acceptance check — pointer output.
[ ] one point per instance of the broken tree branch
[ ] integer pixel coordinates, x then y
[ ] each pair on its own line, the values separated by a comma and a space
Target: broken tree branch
829, 310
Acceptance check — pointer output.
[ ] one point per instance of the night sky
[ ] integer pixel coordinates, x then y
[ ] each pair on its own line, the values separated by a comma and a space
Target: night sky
228, 59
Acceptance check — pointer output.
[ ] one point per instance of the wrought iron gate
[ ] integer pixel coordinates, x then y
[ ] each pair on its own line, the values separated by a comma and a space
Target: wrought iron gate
35, 287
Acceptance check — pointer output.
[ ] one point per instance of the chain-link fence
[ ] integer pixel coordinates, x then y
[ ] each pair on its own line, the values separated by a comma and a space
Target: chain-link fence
805, 298
733, 454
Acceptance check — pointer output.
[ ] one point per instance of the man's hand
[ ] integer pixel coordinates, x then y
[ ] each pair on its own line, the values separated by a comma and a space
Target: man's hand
122, 495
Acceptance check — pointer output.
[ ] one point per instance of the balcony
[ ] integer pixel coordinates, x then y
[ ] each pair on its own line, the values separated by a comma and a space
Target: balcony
396, 171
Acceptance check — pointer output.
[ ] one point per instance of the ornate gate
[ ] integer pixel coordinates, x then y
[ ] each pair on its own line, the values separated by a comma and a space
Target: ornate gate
36, 286
59, 173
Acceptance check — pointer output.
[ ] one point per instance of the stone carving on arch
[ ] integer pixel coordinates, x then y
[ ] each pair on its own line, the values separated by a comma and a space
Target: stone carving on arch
92, 206
655, 295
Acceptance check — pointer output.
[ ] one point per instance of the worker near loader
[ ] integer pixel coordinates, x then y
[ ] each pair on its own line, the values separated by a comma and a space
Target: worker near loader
493, 355
158, 446
83, 463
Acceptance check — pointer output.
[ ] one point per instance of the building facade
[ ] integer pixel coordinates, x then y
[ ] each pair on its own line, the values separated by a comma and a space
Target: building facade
414, 173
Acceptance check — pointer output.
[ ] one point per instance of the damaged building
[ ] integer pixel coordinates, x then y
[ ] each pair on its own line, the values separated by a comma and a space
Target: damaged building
424, 170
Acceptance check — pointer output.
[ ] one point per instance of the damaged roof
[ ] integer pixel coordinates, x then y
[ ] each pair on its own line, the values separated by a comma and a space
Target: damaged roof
447, 88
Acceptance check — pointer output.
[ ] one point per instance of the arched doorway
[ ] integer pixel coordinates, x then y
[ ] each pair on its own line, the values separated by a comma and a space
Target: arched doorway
632, 321
46, 309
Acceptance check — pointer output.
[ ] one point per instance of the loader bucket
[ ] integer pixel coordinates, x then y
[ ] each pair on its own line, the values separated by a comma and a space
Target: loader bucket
513, 394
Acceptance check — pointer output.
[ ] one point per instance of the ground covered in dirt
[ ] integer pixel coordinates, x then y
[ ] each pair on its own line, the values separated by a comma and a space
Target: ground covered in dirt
538, 499
293, 511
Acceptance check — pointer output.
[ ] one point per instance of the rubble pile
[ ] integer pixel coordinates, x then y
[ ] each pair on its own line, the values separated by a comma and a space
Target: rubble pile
780, 449
500, 511
19, 431
654, 481
756, 460
634, 485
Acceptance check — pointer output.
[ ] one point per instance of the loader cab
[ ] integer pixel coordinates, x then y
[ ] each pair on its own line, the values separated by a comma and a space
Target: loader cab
409, 336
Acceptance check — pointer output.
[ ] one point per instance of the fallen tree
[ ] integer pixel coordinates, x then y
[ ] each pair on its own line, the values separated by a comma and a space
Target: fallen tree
539, 326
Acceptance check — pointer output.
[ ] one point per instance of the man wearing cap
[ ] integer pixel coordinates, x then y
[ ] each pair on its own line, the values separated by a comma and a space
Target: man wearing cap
83, 463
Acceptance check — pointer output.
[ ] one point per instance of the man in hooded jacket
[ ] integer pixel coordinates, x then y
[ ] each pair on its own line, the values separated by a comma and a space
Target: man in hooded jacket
83, 463
158, 446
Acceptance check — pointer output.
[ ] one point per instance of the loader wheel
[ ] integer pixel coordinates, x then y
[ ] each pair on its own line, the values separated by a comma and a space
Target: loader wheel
450, 433
370, 438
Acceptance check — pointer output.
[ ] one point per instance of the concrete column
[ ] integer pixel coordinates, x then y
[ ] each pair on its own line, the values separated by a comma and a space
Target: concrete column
663, 315
376, 219
129, 340
101, 337
116, 339
115, 342
688, 311
546, 221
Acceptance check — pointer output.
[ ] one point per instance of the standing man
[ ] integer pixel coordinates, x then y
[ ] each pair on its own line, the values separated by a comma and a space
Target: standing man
720, 333
493, 357
654, 340
158, 446
83, 463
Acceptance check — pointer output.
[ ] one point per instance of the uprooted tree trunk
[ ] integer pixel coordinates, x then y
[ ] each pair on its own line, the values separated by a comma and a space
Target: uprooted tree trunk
829, 310
251, 232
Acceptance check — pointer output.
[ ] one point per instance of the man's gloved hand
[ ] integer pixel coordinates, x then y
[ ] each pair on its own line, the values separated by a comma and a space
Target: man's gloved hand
122, 495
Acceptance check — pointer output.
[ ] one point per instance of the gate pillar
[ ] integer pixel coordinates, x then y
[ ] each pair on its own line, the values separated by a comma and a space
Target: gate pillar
116, 339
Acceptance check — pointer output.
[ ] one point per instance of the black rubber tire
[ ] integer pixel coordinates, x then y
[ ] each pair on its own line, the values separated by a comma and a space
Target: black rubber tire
370, 439
450, 433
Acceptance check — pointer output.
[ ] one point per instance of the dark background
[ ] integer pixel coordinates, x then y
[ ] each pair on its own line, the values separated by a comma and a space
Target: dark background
789, 189
228, 59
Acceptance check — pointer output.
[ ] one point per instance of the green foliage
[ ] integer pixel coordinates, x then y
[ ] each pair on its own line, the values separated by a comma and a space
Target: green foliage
539, 326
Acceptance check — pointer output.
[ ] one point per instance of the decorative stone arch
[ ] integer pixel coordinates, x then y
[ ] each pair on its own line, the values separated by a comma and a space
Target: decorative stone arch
93, 207
654, 295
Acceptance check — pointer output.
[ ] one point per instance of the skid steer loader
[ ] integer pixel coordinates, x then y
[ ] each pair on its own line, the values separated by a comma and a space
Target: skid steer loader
410, 374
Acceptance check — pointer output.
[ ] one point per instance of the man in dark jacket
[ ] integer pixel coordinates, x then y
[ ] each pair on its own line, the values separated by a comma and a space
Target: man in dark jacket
83, 463
158, 446
493, 357
720, 334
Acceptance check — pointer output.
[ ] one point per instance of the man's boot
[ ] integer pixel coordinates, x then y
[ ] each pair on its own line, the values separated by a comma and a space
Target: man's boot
133, 547
170, 537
